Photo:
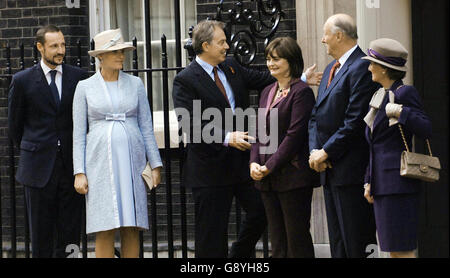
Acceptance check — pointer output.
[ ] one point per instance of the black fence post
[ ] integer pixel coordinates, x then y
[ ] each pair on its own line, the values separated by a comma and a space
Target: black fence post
78, 54
92, 60
12, 182
22, 56
266, 243
8, 71
181, 145
136, 73
35, 54
135, 57
26, 227
148, 61
167, 155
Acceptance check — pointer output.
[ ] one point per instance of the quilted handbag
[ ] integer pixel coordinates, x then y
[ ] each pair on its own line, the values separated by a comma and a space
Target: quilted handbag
419, 166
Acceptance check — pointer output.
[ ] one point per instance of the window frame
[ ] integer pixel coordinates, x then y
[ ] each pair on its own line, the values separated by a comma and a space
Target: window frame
99, 20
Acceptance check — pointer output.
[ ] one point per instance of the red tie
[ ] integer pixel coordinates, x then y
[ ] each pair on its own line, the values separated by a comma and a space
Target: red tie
333, 71
220, 84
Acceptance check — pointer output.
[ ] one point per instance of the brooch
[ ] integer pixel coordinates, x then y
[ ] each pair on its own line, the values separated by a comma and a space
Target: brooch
232, 70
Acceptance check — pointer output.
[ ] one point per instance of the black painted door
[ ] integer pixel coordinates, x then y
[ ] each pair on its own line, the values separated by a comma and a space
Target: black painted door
431, 75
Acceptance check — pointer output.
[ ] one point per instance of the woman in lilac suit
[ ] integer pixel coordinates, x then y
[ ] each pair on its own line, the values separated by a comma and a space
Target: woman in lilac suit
395, 198
284, 178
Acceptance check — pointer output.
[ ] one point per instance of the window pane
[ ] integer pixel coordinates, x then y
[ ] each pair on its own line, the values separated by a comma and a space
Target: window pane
128, 15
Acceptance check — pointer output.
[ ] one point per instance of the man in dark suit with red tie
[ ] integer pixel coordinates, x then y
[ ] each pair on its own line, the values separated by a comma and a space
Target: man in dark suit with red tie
216, 172
336, 140
40, 123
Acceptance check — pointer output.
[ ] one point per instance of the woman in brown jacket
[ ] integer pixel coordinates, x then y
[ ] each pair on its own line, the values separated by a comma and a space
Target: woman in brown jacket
284, 177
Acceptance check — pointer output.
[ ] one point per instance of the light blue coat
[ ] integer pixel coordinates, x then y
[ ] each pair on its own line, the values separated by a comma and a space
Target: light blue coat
93, 118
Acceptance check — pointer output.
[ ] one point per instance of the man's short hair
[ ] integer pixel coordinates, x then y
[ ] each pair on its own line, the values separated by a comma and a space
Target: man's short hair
287, 48
40, 34
204, 32
345, 26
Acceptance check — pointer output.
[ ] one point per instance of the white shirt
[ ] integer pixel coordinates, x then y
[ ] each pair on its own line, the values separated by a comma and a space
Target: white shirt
58, 78
342, 61
210, 71
344, 58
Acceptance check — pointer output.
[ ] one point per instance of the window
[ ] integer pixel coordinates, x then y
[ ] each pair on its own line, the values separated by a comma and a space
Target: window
129, 16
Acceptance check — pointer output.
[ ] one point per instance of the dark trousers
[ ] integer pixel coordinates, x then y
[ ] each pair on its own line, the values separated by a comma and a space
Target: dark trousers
212, 210
289, 214
351, 222
54, 214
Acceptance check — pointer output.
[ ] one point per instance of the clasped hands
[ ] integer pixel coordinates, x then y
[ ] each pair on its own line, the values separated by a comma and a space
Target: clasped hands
318, 161
258, 172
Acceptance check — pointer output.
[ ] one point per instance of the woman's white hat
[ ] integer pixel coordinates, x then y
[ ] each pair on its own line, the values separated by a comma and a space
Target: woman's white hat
108, 41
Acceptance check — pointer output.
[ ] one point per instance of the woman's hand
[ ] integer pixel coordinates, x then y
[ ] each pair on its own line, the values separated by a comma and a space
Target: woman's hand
81, 184
265, 171
393, 110
255, 172
367, 194
156, 176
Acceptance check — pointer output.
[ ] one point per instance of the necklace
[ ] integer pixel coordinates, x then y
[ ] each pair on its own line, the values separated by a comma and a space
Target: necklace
282, 92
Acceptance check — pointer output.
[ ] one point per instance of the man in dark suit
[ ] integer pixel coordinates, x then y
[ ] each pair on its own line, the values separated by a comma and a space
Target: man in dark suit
336, 140
216, 172
40, 122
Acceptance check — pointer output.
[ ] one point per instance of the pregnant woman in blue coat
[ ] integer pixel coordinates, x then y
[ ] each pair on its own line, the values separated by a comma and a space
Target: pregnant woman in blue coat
112, 141
395, 198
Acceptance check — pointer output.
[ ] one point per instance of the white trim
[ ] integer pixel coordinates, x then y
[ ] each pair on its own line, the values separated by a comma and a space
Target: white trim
100, 20
391, 20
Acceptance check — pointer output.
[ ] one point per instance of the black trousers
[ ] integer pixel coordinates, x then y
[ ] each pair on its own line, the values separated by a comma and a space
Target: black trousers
212, 210
54, 214
289, 214
351, 221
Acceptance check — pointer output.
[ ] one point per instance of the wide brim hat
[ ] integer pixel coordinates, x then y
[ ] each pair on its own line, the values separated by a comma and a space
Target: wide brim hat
108, 41
389, 53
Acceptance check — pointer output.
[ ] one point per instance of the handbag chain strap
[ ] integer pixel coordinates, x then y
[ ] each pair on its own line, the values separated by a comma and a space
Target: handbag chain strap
404, 138
406, 144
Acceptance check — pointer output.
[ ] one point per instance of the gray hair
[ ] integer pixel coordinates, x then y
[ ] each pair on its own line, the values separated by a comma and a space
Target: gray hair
346, 25
204, 32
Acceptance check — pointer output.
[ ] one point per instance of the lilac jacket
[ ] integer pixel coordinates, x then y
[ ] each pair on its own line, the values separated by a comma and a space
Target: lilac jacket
386, 144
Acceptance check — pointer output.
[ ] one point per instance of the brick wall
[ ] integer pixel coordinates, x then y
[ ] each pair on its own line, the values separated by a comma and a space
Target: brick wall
19, 21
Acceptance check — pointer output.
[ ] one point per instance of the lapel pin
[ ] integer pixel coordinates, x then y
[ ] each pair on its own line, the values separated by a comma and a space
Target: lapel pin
232, 70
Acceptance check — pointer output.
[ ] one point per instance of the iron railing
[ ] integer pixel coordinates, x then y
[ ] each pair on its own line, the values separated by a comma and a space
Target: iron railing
262, 26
